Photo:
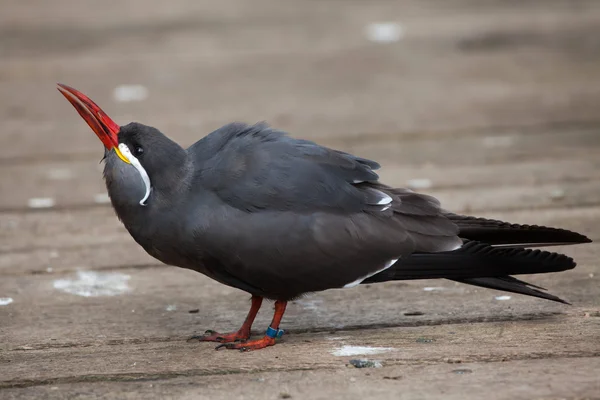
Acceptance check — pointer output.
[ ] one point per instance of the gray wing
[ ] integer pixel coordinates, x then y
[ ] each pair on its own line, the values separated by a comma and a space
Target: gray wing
258, 168
289, 216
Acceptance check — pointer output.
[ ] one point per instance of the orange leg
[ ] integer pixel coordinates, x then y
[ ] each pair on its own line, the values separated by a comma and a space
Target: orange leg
273, 333
241, 334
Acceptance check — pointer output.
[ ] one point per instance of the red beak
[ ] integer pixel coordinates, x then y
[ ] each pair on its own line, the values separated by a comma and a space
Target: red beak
104, 127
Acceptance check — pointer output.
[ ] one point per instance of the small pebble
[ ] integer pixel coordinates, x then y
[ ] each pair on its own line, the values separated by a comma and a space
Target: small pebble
453, 360
363, 363
502, 298
425, 340
41, 202
171, 307
462, 371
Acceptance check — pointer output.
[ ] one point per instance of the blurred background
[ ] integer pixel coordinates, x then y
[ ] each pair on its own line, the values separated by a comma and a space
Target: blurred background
493, 106
438, 91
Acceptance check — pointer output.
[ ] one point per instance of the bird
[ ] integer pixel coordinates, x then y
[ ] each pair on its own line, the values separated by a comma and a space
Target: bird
279, 217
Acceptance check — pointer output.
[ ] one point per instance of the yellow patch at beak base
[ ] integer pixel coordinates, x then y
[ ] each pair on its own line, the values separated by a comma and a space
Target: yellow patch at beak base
121, 156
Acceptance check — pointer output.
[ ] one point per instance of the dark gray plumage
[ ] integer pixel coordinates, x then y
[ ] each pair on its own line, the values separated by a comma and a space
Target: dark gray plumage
278, 217
272, 215
275, 216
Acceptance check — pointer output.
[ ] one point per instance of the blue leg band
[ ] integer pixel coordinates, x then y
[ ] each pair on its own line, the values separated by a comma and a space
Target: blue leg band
274, 333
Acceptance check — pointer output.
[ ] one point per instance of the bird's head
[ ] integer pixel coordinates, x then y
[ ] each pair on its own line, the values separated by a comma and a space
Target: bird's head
139, 158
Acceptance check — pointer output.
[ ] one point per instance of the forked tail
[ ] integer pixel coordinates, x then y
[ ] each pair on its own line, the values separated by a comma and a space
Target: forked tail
490, 264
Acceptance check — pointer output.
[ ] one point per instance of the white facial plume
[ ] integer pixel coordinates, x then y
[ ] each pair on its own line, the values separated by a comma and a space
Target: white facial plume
136, 163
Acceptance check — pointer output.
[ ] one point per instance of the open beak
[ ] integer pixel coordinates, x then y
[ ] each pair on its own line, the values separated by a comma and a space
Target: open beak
104, 127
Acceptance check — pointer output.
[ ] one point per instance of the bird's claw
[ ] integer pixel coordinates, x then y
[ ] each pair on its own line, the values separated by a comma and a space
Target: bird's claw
222, 346
231, 346
248, 346
213, 336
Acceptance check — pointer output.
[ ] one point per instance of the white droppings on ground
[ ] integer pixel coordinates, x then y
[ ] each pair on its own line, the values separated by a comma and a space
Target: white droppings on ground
129, 93
59, 174
94, 284
433, 288
49, 270
101, 198
4, 301
502, 298
171, 307
384, 32
41, 202
420, 183
348, 350
498, 141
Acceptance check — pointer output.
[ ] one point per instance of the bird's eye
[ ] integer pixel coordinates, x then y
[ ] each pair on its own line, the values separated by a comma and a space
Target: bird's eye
138, 150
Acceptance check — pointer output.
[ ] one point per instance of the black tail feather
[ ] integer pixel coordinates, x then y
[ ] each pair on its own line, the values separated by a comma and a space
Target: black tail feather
482, 265
475, 260
499, 233
510, 284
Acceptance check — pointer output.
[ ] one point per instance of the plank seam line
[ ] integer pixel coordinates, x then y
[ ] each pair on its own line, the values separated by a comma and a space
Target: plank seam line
362, 137
544, 316
91, 206
137, 377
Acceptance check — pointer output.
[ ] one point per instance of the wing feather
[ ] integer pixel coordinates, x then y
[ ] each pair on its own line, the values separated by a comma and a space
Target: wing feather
290, 216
